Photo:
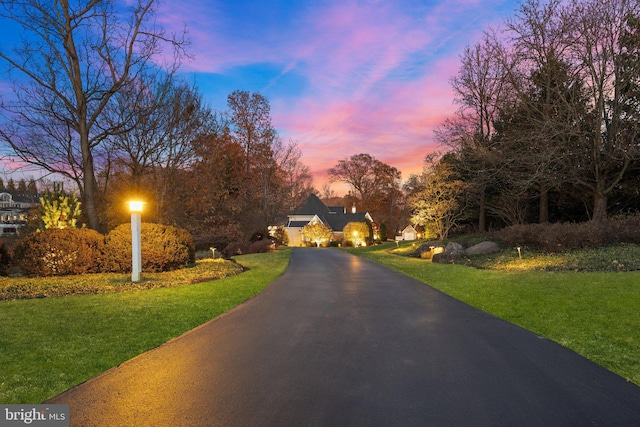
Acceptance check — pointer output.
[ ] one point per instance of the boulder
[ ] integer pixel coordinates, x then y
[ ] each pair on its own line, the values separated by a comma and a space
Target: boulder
483, 248
426, 247
454, 249
446, 257
427, 250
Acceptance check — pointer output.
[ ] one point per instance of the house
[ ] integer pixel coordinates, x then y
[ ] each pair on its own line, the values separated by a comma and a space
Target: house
14, 208
313, 211
409, 233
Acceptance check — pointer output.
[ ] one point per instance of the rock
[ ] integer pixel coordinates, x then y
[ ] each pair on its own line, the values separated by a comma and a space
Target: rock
454, 249
426, 251
446, 257
426, 246
483, 248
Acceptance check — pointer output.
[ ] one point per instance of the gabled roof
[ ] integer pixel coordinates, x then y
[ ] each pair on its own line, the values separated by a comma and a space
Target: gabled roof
313, 206
336, 217
408, 229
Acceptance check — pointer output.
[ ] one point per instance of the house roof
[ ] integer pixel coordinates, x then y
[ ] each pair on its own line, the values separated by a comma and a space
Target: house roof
335, 217
409, 229
21, 197
297, 224
313, 206
338, 221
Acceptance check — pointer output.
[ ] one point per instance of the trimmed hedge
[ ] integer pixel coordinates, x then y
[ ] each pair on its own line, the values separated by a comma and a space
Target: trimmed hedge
163, 248
57, 252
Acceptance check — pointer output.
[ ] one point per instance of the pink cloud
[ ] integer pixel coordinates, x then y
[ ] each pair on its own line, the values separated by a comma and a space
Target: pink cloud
396, 127
376, 73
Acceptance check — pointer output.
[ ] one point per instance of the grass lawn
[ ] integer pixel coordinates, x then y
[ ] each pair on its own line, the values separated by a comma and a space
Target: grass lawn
48, 345
595, 314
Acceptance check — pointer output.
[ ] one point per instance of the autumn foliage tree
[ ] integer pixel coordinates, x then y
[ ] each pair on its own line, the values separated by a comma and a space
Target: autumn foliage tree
356, 233
318, 233
440, 203
373, 184
242, 176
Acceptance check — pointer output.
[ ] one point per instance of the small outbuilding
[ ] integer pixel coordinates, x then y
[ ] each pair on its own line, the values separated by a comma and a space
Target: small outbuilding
409, 233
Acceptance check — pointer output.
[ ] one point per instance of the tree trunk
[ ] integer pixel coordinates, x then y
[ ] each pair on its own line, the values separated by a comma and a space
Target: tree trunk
543, 212
482, 214
90, 195
599, 206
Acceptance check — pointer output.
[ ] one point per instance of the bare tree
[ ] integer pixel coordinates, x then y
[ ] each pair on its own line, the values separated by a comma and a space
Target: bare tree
483, 88
250, 120
607, 149
73, 59
249, 116
373, 183
166, 116
296, 176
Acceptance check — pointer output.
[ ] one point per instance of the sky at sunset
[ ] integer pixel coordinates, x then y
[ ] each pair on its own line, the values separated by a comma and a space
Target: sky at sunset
343, 77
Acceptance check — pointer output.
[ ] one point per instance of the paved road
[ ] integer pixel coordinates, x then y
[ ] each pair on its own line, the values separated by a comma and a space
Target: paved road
341, 341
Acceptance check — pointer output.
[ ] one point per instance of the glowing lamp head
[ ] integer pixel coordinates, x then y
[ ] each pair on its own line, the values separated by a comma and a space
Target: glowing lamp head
135, 206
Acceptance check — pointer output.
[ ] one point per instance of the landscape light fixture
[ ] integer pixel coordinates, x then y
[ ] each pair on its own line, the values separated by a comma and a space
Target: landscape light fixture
135, 207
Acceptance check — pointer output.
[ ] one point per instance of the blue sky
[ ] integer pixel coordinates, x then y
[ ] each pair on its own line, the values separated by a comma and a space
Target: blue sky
342, 76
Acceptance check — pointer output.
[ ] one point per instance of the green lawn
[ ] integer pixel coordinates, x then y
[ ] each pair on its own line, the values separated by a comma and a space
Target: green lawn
48, 345
594, 314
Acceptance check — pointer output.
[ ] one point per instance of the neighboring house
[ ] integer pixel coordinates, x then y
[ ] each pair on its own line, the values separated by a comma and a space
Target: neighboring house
409, 233
313, 210
14, 209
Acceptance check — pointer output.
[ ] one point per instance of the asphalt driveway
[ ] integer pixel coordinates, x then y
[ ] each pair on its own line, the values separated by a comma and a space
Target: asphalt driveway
341, 341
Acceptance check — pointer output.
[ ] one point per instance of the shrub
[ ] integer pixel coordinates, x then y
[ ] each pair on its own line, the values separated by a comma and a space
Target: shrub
262, 246
56, 252
206, 241
162, 247
563, 237
236, 248
5, 259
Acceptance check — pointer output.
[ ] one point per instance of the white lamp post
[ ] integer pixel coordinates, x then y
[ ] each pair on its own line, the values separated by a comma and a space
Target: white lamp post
136, 255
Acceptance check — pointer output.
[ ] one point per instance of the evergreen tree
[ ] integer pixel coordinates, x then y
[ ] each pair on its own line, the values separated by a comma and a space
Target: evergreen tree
58, 209
32, 187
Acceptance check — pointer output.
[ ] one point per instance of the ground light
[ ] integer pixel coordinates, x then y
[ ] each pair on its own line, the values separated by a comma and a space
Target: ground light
135, 207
